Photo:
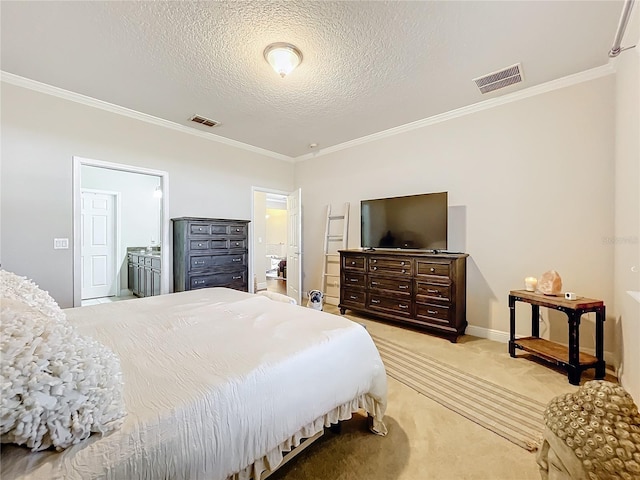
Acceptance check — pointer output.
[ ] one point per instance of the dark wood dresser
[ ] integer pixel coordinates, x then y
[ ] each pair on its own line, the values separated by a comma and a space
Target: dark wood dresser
210, 252
418, 289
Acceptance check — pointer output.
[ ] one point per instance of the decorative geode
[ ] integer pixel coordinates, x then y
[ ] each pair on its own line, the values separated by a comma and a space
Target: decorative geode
550, 283
601, 426
57, 385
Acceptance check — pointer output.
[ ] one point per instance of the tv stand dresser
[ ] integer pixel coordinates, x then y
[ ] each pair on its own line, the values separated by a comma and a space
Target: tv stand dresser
414, 288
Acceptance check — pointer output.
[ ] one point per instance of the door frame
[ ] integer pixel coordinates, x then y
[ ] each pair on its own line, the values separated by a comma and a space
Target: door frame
116, 226
167, 267
251, 228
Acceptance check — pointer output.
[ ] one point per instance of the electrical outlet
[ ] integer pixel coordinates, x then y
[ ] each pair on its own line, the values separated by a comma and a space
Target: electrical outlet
60, 243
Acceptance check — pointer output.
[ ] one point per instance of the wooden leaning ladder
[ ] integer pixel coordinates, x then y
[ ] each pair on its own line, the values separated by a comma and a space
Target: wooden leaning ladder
335, 238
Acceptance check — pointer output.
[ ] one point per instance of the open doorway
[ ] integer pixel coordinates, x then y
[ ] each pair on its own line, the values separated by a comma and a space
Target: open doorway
118, 210
270, 239
276, 231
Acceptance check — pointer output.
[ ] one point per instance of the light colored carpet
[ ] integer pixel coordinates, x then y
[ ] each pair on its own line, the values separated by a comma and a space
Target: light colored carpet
426, 440
511, 415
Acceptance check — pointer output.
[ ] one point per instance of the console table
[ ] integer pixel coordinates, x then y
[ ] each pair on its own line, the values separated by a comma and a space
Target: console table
570, 358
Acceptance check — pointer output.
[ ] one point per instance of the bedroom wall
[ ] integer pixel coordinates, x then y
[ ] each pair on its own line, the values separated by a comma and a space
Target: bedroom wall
259, 240
40, 135
530, 188
626, 240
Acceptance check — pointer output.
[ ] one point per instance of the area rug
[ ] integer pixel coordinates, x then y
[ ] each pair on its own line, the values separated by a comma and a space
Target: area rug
511, 415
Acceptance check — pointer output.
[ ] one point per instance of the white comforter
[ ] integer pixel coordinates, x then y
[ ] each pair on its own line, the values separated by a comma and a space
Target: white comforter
217, 384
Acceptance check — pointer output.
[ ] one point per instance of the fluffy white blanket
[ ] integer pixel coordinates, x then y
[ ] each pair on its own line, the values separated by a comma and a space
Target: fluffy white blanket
57, 385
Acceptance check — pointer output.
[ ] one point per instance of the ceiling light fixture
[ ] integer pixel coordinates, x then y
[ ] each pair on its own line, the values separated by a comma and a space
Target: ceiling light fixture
283, 57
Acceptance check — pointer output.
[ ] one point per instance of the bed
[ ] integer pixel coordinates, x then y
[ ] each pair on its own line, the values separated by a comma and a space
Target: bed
218, 384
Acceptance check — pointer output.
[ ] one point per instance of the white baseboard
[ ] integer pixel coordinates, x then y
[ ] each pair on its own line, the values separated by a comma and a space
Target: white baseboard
262, 285
125, 292
496, 335
503, 337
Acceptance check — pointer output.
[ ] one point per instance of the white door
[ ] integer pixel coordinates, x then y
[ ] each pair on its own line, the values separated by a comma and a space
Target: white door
98, 246
294, 245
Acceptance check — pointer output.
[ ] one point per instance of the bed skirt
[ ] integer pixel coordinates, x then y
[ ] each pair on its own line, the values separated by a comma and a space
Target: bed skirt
273, 458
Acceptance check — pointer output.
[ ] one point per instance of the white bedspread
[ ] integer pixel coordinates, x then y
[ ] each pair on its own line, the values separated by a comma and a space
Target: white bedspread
216, 381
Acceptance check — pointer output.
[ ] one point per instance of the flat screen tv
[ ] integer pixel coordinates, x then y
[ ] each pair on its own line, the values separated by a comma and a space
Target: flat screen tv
411, 222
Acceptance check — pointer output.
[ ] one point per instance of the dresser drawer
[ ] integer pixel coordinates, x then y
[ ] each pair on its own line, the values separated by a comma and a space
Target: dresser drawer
353, 279
204, 262
389, 305
429, 291
425, 268
238, 230
202, 244
229, 279
433, 313
352, 297
395, 285
353, 262
392, 266
237, 243
200, 229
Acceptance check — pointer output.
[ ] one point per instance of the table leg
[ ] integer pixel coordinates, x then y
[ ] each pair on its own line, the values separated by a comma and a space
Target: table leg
573, 369
601, 365
535, 321
512, 326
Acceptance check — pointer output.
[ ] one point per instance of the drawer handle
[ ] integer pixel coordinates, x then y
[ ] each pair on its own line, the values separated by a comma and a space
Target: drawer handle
353, 263
236, 260
353, 297
403, 306
404, 271
199, 229
238, 277
402, 264
375, 268
200, 244
432, 269
197, 262
375, 260
403, 287
237, 229
353, 279
430, 290
374, 283
237, 243
199, 282
432, 312
373, 300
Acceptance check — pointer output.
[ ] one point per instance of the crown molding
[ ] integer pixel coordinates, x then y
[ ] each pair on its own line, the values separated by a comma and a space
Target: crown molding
127, 112
557, 84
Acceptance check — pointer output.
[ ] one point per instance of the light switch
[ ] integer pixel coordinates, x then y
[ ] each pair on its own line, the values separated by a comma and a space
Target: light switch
60, 243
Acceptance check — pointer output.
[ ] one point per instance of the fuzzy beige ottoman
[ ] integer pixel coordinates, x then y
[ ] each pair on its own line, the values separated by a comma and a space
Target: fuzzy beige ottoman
592, 434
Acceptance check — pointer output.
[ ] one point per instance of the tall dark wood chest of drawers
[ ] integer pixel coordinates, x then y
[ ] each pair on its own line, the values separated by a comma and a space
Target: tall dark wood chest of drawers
210, 252
418, 289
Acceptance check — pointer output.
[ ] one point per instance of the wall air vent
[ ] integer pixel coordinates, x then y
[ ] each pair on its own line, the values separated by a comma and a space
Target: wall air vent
500, 79
207, 122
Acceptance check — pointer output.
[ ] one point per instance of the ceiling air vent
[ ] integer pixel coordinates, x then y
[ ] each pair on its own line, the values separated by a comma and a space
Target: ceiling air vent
500, 79
207, 122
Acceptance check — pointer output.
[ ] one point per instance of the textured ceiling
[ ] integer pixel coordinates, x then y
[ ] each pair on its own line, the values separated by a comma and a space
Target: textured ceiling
368, 66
